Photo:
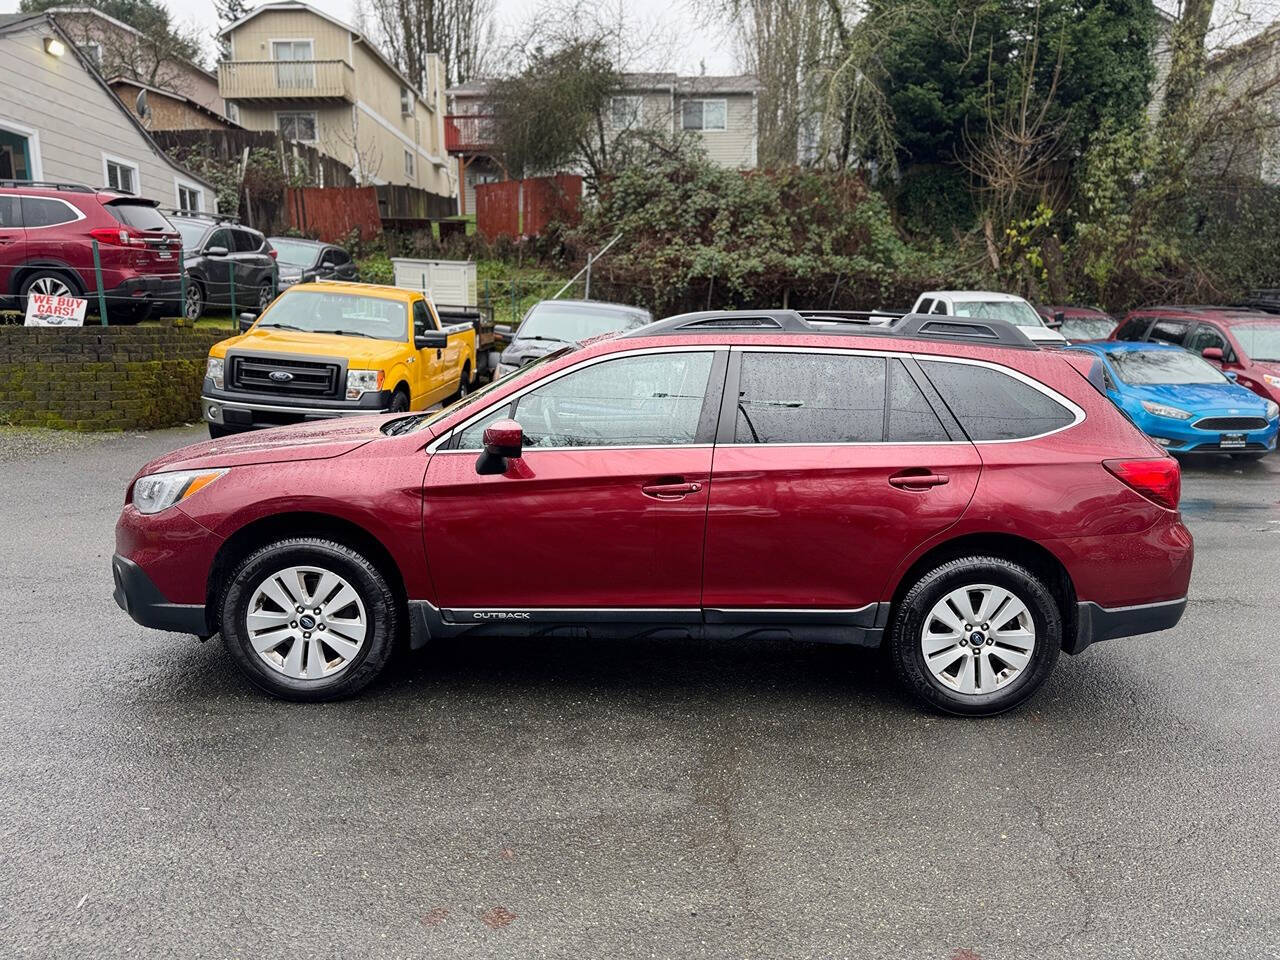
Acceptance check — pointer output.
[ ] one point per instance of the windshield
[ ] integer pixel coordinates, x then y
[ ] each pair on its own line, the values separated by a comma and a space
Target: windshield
1087, 328
192, 232
1163, 366
1018, 312
296, 253
349, 314
420, 420
571, 323
1261, 341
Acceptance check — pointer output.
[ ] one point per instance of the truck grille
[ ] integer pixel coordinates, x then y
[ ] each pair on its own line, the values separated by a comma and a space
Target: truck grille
307, 378
1230, 423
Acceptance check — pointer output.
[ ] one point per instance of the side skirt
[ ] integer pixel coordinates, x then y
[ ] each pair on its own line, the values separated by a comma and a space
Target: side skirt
863, 626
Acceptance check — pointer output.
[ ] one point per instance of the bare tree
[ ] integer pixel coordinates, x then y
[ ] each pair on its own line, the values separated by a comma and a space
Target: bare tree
460, 31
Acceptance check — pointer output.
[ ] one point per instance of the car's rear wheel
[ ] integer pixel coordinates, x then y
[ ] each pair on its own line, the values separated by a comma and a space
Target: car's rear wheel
195, 301
976, 636
264, 297
309, 619
54, 283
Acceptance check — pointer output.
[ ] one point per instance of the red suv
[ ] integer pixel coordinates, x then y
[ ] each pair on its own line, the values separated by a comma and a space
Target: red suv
1244, 343
46, 231
940, 485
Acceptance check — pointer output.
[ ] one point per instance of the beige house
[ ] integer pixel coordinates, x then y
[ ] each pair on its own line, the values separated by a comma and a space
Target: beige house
161, 109
312, 78
118, 50
60, 121
1243, 81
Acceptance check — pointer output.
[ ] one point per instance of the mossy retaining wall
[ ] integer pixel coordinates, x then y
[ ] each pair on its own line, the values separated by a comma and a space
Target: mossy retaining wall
102, 378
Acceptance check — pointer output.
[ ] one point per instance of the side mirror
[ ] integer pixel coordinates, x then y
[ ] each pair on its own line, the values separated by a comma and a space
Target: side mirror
215, 251
1057, 320
502, 329
503, 441
246, 321
1230, 375
1212, 353
431, 340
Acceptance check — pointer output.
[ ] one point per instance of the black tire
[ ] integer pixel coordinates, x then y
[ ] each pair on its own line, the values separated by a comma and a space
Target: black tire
908, 623
464, 385
399, 402
380, 605
47, 276
1251, 455
195, 301
217, 432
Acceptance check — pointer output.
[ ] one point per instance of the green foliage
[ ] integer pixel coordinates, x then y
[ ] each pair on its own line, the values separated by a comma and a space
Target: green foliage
934, 200
695, 234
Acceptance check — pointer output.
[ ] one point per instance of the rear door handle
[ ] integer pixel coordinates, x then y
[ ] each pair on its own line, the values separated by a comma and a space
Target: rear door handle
909, 480
670, 491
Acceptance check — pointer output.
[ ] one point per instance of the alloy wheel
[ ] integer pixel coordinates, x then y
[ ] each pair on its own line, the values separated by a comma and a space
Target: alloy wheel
977, 639
306, 622
52, 286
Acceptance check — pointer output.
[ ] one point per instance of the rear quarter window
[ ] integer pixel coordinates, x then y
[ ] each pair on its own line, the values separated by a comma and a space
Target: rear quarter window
992, 405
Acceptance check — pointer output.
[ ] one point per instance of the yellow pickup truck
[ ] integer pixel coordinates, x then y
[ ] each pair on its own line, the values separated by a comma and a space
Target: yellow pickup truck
333, 350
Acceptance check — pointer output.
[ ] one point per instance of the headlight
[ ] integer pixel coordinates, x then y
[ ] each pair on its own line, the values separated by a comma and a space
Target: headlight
1273, 381
1160, 410
1273, 409
363, 381
502, 369
159, 491
213, 371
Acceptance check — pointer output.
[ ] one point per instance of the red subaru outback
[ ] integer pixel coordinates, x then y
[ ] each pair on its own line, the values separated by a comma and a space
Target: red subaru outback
940, 485
46, 246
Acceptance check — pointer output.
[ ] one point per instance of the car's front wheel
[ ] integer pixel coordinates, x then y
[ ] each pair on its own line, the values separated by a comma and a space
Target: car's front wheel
976, 636
309, 619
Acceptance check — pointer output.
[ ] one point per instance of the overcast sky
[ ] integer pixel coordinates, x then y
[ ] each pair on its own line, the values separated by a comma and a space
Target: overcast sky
690, 40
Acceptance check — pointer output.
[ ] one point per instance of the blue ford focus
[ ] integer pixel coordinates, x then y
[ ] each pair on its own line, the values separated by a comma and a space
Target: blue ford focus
1183, 403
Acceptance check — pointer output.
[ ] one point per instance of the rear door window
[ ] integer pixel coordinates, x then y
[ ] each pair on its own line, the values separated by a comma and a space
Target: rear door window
1133, 330
992, 405
10, 212
810, 398
1169, 331
246, 242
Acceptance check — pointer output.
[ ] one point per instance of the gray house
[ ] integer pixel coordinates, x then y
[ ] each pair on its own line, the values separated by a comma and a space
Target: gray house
60, 121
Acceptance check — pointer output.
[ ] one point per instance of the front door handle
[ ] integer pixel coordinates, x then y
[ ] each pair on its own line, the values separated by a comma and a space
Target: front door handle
918, 480
670, 491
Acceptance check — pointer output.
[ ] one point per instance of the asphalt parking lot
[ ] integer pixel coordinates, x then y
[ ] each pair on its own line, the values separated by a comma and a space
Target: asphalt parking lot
555, 799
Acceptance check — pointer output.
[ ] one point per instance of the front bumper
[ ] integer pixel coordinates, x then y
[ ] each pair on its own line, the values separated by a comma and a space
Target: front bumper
141, 599
248, 411
1095, 623
1178, 437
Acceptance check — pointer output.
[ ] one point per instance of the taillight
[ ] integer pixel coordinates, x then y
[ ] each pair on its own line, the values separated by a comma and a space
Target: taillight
1158, 479
274, 253
117, 237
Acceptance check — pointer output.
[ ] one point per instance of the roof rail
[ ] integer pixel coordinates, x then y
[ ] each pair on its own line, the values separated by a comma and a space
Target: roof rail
49, 185
867, 323
203, 214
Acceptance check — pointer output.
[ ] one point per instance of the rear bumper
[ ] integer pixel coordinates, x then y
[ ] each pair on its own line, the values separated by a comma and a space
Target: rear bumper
141, 599
1096, 623
157, 288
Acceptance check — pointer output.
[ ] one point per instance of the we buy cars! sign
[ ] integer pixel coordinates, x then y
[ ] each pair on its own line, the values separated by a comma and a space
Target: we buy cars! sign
46, 310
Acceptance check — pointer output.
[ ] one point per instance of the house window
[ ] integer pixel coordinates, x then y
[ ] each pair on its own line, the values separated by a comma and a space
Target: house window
295, 68
19, 156
406, 101
190, 198
408, 164
624, 112
297, 126
703, 114
94, 52
233, 112
120, 174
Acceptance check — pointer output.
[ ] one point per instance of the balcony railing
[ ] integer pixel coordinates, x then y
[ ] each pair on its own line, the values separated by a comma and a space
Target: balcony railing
469, 132
286, 80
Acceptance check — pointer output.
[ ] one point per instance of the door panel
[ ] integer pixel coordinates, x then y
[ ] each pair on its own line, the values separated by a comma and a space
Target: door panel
823, 526
568, 528
13, 241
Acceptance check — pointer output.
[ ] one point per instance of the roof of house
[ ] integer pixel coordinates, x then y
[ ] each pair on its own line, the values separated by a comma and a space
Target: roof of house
658, 82
1263, 38
93, 11
11, 22
276, 5
173, 95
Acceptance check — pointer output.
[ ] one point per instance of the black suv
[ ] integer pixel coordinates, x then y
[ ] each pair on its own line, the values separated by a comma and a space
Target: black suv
302, 261
217, 252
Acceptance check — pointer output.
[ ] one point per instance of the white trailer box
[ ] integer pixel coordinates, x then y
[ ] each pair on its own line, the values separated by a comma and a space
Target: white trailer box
449, 283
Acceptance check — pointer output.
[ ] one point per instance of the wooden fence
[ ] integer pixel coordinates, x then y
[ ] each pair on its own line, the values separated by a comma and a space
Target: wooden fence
332, 213
515, 208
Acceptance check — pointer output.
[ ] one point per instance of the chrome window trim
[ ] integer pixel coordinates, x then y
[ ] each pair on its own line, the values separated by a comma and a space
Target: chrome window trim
434, 445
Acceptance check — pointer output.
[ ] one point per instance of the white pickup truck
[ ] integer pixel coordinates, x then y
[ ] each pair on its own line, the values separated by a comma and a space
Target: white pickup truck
992, 306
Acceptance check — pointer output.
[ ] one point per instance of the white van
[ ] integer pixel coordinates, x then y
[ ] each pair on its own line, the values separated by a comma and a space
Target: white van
997, 306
